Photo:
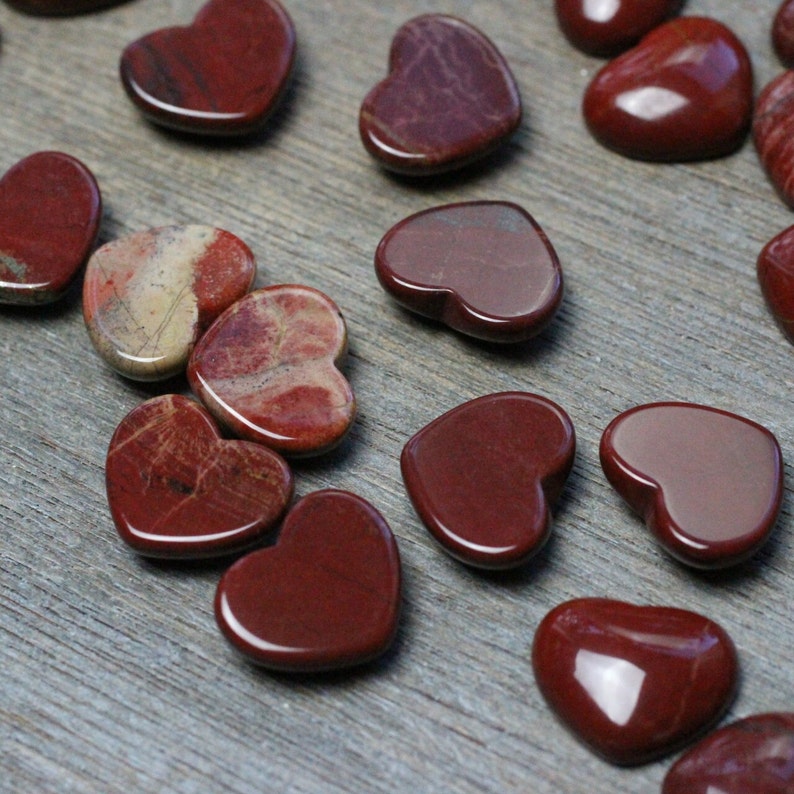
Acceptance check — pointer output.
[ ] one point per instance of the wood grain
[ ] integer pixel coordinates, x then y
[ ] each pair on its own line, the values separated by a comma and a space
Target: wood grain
114, 676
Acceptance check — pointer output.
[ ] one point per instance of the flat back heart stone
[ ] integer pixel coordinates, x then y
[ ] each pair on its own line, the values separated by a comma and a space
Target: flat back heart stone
633, 682
177, 489
685, 92
50, 212
783, 33
450, 98
482, 477
326, 596
708, 483
775, 269
608, 27
148, 297
268, 370
773, 133
223, 75
752, 756
484, 268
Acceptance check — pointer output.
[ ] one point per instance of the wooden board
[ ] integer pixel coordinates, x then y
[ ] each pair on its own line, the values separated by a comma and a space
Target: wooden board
114, 676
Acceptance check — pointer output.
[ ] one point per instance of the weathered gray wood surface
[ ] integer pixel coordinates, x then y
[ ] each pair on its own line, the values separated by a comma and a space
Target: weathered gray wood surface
113, 676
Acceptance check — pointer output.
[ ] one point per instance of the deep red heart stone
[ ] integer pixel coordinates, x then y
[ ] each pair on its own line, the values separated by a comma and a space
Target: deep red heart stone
268, 369
783, 33
633, 682
685, 92
55, 8
708, 483
482, 477
50, 212
752, 756
775, 268
223, 75
177, 489
484, 268
773, 133
326, 596
608, 27
450, 98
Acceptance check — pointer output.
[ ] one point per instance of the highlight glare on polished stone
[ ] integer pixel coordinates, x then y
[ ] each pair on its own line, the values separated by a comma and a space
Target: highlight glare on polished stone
773, 133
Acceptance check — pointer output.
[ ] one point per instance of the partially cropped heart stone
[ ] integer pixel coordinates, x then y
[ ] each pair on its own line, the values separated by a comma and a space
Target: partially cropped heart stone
783, 33
483, 476
50, 212
708, 483
268, 370
773, 133
326, 596
177, 489
775, 268
53, 8
484, 268
752, 756
608, 27
222, 75
685, 92
633, 682
148, 297
450, 98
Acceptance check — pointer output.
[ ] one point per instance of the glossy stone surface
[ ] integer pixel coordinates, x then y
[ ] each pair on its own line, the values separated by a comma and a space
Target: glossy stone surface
50, 213
483, 476
608, 27
177, 489
752, 756
685, 92
148, 297
326, 596
708, 483
783, 33
633, 682
269, 370
773, 133
775, 269
449, 99
484, 268
222, 75
58, 8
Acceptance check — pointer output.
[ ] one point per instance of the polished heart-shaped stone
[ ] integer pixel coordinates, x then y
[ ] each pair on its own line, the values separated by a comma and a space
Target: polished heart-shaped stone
608, 27
148, 297
50, 212
268, 369
177, 489
773, 133
708, 483
222, 75
775, 268
53, 8
450, 98
484, 268
685, 92
326, 596
783, 33
633, 682
483, 476
752, 756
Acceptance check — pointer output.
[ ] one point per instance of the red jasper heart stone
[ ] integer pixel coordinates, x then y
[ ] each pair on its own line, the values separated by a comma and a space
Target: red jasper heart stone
222, 75
177, 489
708, 483
60, 7
633, 682
773, 133
50, 212
775, 269
783, 33
484, 268
268, 369
482, 477
326, 596
752, 756
685, 92
450, 98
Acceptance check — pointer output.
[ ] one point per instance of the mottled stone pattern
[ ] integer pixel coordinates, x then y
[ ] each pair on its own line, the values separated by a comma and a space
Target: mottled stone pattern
484, 268
685, 92
773, 133
752, 756
783, 33
450, 98
268, 370
149, 296
224, 74
177, 489
55, 8
50, 213
708, 483
512, 449
326, 596
633, 682
775, 268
